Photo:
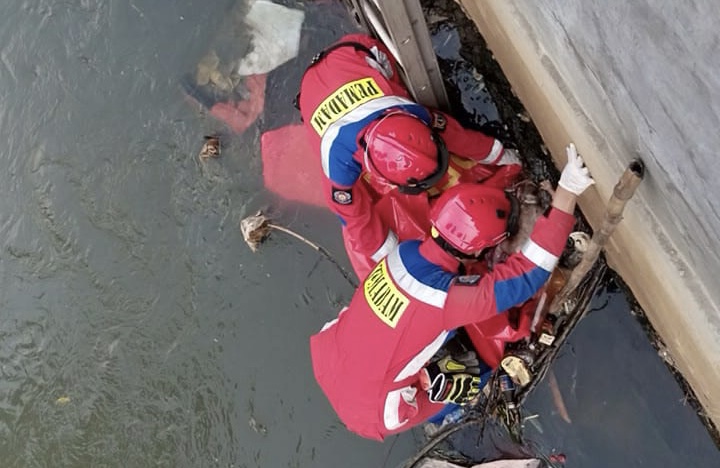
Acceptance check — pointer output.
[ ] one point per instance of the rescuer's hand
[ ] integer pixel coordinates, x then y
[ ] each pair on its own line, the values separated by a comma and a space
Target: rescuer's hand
467, 362
454, 379
575, 177
510, 156
459, 389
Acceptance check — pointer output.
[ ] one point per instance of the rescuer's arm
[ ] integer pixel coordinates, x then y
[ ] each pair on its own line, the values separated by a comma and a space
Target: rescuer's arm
472, 144
407, 407
367, 238
473, 299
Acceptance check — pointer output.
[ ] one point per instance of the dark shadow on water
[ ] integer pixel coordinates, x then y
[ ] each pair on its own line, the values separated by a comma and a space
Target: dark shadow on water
625, 407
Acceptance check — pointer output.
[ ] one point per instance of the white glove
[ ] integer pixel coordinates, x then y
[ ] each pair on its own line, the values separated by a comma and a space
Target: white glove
510, 156
575, 176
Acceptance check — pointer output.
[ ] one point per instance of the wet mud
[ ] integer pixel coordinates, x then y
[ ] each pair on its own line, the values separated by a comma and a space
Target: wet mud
482, 98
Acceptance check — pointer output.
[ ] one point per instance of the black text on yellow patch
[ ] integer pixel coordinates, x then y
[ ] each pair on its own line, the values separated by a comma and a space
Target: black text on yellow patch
346, 98
383, 297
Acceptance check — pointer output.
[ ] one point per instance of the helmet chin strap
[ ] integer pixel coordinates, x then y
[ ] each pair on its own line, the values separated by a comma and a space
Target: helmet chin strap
416, 187
513, 222
445, 245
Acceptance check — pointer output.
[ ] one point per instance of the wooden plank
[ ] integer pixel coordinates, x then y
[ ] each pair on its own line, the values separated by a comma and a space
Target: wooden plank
401, 25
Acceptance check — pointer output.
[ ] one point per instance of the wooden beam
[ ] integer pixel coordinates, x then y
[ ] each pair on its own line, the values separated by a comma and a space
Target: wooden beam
401, 26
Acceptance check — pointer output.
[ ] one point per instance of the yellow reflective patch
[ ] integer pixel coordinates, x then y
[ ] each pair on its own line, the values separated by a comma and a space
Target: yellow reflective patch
346, 98
454, 366
383, 297
453, 174
452, 180
462, 162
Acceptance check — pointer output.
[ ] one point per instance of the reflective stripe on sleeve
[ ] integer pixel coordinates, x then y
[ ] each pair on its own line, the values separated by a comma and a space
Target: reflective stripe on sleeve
334, 321
418, 362
415, 288
391, 241
391, 416
539, 256
495, 152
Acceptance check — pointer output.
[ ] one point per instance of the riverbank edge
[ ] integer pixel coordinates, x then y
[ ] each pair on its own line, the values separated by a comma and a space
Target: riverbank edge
673, 297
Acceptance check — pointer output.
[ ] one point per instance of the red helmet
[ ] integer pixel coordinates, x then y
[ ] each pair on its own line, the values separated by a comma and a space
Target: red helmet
402, 149
471, 217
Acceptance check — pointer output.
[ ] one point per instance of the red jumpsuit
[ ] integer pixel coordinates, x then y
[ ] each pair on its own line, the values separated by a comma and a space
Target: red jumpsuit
367, 361
349, 87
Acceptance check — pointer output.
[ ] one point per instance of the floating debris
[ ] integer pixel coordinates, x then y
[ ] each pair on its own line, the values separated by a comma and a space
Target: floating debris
664, 353
256, 426
63, 400
523, 116
255, 229
533, 419
205, 68
211, 148
274, 34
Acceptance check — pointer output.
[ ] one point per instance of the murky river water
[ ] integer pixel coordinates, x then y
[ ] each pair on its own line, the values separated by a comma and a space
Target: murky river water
138, 329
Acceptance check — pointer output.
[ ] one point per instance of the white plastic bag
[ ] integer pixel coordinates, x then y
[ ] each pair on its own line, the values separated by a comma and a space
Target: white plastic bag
275, 32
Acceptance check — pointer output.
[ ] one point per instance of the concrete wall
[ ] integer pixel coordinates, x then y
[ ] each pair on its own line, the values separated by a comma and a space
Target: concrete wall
635, 79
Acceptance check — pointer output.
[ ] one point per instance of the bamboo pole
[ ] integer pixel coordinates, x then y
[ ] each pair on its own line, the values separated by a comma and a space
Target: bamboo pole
624, 190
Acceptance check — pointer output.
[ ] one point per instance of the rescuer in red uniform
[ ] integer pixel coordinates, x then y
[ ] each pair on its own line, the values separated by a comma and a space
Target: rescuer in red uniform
360, 118
372, 361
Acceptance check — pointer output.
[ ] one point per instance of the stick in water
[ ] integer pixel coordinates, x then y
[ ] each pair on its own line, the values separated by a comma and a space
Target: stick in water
256, 229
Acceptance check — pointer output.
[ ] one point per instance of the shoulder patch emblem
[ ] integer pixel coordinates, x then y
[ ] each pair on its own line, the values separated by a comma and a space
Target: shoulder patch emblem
439, 121
342, 197
467, 280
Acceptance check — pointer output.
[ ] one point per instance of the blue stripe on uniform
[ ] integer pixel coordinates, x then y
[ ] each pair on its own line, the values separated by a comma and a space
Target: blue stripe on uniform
421, 269
514, 291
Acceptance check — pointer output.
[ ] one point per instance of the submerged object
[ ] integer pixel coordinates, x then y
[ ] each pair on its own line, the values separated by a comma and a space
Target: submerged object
230, 78
238, 115
290, 168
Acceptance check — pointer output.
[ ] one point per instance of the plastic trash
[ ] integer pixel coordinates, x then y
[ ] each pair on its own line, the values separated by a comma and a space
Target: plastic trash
275, 37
